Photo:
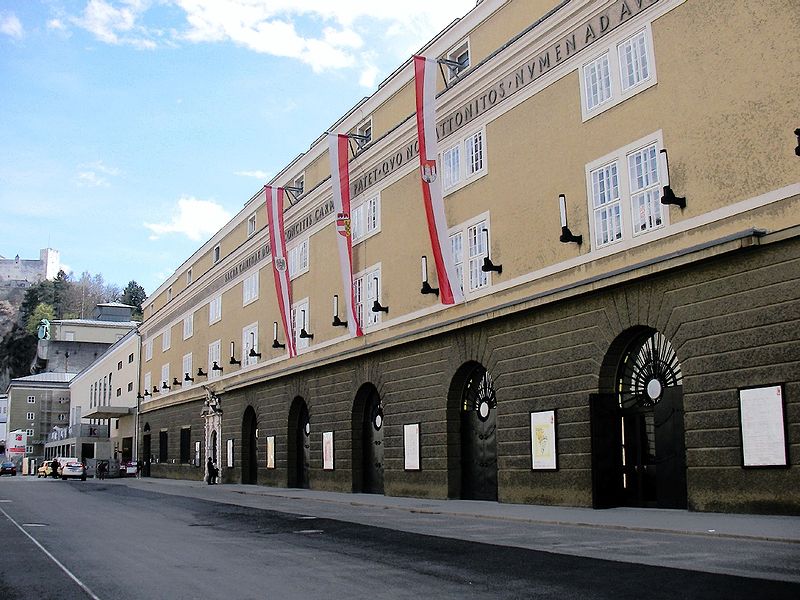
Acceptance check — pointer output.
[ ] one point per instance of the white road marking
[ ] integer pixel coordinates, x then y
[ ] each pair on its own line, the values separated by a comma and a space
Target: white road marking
82, 585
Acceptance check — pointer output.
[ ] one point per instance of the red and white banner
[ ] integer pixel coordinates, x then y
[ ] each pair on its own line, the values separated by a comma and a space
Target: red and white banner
425, 70
338, 152
280, 263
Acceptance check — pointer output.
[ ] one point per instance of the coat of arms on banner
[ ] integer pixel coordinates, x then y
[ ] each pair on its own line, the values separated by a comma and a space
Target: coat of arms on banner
343, 224
428, 169
280, 264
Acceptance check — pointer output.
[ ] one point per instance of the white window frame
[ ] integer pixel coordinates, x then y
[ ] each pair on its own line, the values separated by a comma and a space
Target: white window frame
30, 432
215, 310
457, 161
188, 276
468, 264
186, 365
365, 218
300, 182
364, 294
31, 416
148, 350
365, 128
298, 258
31, 399
611, 49
252, 224
188, 326
148, 381
458, 50
216, 254
297, 323
620, 157
169, 293
165, 376
166, 339
250, 289
247, 344
214, 354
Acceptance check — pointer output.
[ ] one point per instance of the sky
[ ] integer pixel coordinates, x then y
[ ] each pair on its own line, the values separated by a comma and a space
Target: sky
132, 130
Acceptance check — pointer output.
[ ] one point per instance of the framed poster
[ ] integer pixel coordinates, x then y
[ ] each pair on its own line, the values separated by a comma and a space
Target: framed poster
327, 450
411, 446
763, 427
230, 454
543, 440
197, 462
270, 451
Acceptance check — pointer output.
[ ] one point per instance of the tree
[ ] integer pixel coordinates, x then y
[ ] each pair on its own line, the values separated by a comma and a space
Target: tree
61, 295
134, 295
42, 311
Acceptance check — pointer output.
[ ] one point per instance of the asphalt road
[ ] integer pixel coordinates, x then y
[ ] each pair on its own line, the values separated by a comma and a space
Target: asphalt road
119, 542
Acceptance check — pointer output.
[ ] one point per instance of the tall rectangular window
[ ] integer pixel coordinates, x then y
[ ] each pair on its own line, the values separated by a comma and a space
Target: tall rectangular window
366, 287
186, 436
451, 167
249, 342
188, 326
188, 276
459, 57
163, 446
251, 225
365, 219
633, 61
166, 339
213, 356
301, 320
148, 350
165, 375
464, 160
250, 289
130, 386
645, 189
298, 259
474, 145
186, 366
597, 81
476, 240
148, 382
31, 416
215, 255
215, 310
606, 205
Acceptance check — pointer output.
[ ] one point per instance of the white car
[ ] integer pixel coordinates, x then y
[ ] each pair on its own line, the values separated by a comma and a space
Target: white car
73, 468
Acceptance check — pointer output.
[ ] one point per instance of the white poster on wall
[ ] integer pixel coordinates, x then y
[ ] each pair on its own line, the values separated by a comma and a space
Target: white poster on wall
271, 452
543, 440
230, 454
411, 446
763, 427
327, 450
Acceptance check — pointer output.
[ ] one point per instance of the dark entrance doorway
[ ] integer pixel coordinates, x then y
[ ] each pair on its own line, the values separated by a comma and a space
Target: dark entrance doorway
638, 445
299, 444
478, 416
368, 441
249, 447
147, 452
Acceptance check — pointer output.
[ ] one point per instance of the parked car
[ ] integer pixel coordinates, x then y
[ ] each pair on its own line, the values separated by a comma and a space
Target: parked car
73, 468
8, 468
45, 469
127, 468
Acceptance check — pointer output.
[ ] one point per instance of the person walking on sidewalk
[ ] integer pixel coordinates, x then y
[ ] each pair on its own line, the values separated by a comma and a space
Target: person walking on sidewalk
212, 472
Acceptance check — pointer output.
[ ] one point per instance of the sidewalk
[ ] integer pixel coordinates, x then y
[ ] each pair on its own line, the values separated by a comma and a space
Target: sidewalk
755, 527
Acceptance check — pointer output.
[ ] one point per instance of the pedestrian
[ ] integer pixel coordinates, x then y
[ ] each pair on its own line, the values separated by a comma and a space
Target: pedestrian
54, 466
139, 466
212, 471
101, 470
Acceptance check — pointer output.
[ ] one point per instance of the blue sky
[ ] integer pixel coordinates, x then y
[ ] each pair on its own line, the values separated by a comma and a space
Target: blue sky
131, 130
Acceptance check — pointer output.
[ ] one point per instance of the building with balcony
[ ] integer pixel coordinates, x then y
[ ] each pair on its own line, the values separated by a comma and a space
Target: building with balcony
621, 190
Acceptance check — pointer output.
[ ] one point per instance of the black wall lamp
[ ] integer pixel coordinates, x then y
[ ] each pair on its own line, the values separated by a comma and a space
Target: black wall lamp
155, 390
337, 322
488, 265
233, 360
295, 192
146, 393
253, 353
669, 196
426, 286
275, 342
303, 333
176, 382
216, 367
140, 397
164, 386
797, 133
376, 306
201, 373
188, 377
566, 235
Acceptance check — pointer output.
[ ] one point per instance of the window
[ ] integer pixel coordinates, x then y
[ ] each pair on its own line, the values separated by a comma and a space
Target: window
299, 183
460, 56
251, 225
464, 161
188, 276
148, 381
624, 194
469, 244
166, 339
301, 319
215, 254
188, 327
62, 417
619, 72
365, 289
130, 386
249, 341
31, 399
169, 293
165, 375
31, 416
186, 434
186, 366
365, 130
148, 350
30, 432
119, 366
250, 289
365, 219
116, 423
163, 442
119, 392
215, 310
28, 449
298, 259
130, 358
213, 356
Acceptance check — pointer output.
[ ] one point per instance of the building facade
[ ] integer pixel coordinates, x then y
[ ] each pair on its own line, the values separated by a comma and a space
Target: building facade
37, 404
16, 270
622, 197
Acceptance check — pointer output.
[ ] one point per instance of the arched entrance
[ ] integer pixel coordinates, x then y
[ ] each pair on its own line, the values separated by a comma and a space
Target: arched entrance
638, 445
249, 447
473, 407
299, 444
367, 423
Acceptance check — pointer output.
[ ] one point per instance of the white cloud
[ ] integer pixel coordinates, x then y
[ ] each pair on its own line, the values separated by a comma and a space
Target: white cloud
10, 25
193, 218
89, 177
263, 175
56, 25
116, 25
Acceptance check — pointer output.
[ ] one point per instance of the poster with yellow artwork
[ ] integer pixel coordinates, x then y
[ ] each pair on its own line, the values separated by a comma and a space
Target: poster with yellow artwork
543, 440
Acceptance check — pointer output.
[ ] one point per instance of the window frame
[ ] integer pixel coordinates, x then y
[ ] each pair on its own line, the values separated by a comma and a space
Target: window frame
148, 350
31, 399
460, 48
250, 282
214, 351
188, 331
252, 225
301, 180
363, 310
189, 276
147, 381
248, 360
167, 380
452, 182
216, 254
215, 301
463, 266
361, 211
292, 253
361, 128
187, 360
166, 338
297, 324
30, 416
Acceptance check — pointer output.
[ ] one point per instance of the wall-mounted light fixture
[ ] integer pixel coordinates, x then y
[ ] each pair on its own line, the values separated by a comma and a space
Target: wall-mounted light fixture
176, 382
294, 193
253, 353
337, 322
146, 393
669, 196
376, 306
139, 396
164, 386
155, 390
488, 265
797, 133
201, 373
233, 355
303, 333
426, 286
188, 378
216, 367
275, 342
566, 235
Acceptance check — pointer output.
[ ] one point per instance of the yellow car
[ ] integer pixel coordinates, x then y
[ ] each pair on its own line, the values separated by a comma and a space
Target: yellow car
45, 469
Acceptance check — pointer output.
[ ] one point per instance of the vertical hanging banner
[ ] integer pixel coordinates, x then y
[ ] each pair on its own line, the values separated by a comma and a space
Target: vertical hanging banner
425, 70
338, 152
280, 265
